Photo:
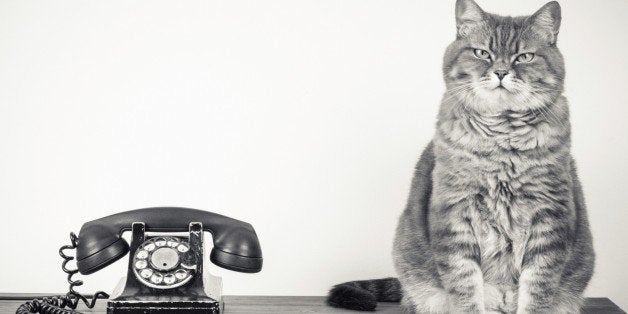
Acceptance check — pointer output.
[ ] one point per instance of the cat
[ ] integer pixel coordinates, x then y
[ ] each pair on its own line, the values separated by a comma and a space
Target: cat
496, 220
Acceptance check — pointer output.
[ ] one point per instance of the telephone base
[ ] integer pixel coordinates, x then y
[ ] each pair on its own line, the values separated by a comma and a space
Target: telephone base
199, 294
163, 305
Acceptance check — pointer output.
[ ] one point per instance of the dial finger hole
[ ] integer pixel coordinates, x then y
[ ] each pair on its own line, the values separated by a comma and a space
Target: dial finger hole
170, 279
181, 274
141, 264
160, 242
146, 273
142, 254
156, 278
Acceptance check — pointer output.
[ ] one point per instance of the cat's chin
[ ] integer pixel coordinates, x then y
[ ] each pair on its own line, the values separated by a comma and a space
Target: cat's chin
497, 99
501, 93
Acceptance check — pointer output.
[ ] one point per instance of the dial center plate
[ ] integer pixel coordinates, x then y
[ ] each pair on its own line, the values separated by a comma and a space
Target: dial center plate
158, 262
165, 258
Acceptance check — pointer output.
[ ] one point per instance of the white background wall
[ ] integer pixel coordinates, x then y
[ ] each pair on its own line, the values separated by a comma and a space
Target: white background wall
304, 118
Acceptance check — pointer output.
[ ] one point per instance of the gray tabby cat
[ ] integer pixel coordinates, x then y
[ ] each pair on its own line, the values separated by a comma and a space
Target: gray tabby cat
495, 220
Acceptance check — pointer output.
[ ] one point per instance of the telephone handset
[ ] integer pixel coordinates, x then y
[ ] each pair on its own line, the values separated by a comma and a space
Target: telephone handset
165, 272
236, 246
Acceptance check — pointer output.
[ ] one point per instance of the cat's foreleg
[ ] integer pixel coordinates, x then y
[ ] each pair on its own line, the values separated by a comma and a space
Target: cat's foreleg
543, 262
458, 258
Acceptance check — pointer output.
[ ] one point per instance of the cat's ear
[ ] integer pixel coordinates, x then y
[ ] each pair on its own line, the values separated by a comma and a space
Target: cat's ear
546, 21
468, 14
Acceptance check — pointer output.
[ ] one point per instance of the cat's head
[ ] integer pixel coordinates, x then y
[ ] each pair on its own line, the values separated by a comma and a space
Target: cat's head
500, 63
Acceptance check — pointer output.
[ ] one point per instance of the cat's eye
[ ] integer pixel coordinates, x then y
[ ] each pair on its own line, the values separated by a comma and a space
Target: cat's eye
524, 57
482, 54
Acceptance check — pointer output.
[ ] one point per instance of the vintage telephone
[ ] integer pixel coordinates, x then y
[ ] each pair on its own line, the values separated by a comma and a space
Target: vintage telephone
165, 272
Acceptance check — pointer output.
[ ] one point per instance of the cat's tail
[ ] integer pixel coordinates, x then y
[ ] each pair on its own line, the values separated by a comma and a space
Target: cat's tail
363, 295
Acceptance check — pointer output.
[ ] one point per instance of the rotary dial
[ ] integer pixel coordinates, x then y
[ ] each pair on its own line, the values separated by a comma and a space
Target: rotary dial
157, 263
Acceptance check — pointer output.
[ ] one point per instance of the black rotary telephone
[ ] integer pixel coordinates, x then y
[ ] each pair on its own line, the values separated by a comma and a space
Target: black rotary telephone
165, 272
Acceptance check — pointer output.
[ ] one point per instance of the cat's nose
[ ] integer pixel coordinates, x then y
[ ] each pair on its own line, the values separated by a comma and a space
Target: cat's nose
501, 74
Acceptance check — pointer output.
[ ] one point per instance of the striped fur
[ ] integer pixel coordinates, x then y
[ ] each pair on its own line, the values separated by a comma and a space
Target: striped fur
495, 220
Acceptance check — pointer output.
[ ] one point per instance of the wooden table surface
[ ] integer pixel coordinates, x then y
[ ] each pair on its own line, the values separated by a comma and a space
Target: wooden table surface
289, 304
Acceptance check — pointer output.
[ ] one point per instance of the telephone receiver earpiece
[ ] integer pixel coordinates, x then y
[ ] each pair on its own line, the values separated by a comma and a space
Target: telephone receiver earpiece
236, 246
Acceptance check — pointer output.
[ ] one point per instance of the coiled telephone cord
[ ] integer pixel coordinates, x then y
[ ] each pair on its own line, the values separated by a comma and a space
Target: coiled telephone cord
63, 304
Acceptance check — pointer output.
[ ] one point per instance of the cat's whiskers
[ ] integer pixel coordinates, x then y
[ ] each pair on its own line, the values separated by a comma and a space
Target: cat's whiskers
525, 92
533, 95
456, 91
465, 88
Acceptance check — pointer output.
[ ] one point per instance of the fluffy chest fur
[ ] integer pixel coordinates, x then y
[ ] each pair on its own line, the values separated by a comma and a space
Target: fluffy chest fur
500, 220
506, 166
